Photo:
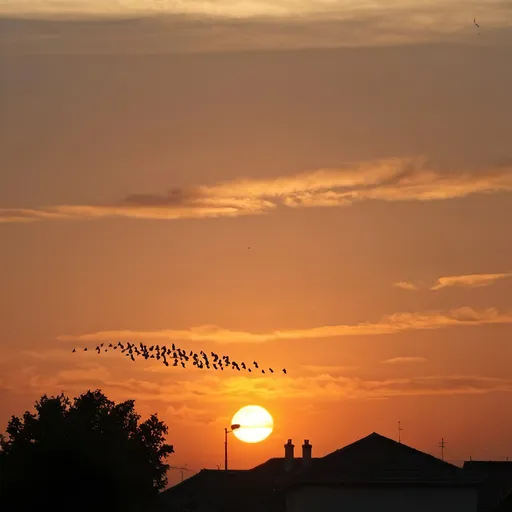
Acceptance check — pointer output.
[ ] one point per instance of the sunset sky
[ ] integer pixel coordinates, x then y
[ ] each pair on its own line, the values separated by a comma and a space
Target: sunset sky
321, 186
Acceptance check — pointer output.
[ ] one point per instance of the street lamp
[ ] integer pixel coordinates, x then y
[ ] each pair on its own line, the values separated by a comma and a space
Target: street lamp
226, 432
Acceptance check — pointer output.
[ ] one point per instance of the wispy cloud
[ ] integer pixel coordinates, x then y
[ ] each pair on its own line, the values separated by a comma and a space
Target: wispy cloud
161, 27
405, 285
469, 281
329, 369
191, 415
187, 395
224, 8
97, 373
397, 179
298, 20
397, 322
405, 360
463, 281
320, 387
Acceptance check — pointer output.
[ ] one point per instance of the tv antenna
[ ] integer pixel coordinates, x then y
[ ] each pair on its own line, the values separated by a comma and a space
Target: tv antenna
442, 444
399, 433
181, 470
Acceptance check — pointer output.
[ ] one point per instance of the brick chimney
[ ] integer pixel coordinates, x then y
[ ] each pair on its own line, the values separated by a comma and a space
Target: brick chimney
288, 455
306, 452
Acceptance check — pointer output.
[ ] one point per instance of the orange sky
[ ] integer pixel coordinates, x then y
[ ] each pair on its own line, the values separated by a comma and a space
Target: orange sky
373, 186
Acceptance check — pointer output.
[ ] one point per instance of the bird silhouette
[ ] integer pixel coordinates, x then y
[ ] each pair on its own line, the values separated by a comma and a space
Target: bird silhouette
477, 25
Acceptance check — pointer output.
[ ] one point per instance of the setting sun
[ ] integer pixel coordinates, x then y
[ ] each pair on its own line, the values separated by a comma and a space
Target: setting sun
256, 424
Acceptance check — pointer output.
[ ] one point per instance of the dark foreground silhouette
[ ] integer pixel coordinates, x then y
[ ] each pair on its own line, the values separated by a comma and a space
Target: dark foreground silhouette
85, 454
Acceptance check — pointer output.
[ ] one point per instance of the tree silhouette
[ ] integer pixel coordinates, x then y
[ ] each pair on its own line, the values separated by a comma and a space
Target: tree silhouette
85, 454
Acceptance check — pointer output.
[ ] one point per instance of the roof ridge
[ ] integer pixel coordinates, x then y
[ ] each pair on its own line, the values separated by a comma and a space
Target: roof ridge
403, 446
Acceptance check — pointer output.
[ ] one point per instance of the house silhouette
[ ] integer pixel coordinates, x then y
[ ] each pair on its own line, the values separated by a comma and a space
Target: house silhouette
372, 473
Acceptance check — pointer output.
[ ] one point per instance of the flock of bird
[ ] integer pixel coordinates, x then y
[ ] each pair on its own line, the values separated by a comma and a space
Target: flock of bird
175, 356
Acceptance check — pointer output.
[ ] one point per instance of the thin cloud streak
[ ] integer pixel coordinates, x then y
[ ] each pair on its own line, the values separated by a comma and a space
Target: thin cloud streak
273, 9
405, 285
321, 387
161, 27
329, 369
395, 323
405, 360
396, 179
188, 415
469, 280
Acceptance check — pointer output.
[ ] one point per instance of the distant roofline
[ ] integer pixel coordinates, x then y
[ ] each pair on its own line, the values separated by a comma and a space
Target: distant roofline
284, 458
473, 461
222, 470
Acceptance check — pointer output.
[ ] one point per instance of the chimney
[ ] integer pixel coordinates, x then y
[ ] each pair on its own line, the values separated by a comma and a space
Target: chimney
288, 455
306, 452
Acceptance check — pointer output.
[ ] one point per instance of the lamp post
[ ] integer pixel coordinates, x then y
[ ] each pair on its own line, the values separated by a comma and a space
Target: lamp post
226, 432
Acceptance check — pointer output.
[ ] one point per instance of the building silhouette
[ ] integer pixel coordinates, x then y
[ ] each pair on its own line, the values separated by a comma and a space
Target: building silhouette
373, 473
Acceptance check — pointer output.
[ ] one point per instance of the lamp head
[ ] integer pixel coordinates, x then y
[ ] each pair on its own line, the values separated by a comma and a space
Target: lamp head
235, 426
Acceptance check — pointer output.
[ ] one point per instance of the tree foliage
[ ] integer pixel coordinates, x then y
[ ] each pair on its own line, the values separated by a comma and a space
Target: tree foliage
85, 454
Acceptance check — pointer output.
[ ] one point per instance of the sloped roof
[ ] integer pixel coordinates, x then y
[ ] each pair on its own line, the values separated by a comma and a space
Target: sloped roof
211, 485
225, 490
377, 459
274, 469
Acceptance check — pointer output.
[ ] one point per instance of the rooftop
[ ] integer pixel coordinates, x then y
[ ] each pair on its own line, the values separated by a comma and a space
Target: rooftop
372, 460
376, 459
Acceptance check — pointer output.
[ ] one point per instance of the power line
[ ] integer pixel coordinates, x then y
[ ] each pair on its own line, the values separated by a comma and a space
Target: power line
399, 433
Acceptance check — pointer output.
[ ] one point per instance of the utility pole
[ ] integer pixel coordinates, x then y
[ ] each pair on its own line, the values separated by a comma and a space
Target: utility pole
399, 433
225, 449
442, 444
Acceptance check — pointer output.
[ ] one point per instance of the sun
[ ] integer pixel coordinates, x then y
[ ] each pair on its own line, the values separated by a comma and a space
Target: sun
256, 424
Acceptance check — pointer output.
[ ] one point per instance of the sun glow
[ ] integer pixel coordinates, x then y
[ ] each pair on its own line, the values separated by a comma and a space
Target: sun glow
256, 424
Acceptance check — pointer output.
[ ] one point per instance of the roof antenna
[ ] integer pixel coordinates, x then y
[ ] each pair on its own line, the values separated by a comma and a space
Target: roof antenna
442, 444
399, 433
